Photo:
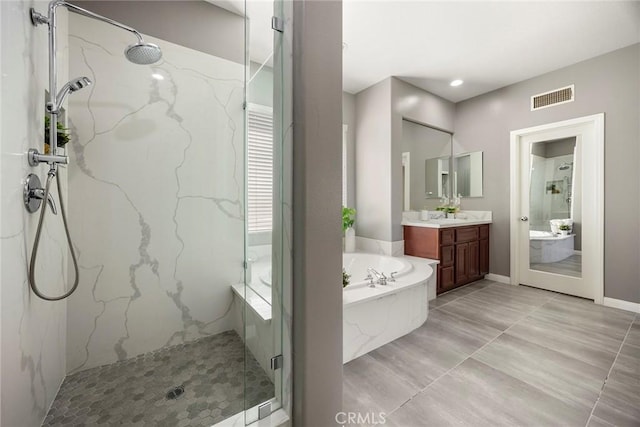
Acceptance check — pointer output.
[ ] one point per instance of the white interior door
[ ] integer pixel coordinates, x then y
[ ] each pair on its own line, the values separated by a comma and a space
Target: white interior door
557, 182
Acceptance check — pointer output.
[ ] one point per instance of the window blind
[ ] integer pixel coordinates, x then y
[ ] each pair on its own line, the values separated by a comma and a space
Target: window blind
259, 169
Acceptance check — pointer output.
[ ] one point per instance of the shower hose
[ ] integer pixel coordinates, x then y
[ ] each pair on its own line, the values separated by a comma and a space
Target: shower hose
43, 208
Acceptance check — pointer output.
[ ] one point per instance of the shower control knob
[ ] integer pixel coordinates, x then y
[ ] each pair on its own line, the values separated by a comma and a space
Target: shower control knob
524, 218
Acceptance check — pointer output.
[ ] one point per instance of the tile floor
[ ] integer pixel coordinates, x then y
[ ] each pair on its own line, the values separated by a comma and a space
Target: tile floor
497, 355
133, 392
571, 266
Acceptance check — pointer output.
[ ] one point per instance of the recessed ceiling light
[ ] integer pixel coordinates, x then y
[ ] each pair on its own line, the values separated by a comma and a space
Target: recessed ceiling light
456, 82
157, 76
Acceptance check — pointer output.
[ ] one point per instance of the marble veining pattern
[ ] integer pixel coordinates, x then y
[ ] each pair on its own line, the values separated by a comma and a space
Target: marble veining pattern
372, 323
164, 159
33, 331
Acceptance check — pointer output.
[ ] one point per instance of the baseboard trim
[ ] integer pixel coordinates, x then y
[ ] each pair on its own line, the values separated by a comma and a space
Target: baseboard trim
498, 278
622, 304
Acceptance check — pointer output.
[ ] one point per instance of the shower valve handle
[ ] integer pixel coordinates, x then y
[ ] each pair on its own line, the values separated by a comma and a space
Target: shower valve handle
33, 194
38, 193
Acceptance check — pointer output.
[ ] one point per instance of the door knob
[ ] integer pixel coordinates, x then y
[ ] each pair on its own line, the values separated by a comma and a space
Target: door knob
524, 219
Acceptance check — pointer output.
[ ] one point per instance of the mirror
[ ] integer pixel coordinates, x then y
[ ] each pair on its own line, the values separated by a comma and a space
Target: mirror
555, 208
426, 154
467, 176
436, 177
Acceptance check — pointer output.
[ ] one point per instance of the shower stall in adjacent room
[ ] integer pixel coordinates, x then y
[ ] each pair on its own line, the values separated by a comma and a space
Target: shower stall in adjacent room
555, 229
168, 325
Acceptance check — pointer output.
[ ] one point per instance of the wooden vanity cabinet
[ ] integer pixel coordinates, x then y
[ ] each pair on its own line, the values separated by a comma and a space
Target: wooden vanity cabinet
463, 252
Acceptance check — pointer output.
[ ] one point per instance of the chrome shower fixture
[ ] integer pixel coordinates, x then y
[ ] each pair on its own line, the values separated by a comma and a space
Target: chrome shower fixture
72, 86
143, 53
140, 52
565, 166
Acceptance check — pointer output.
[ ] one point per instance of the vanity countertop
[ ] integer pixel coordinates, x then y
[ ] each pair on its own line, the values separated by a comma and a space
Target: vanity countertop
445, 223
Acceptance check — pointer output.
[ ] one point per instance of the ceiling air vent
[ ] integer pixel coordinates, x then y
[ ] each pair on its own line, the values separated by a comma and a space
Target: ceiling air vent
554, 97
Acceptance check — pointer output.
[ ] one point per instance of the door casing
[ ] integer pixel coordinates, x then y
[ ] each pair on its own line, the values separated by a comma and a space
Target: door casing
592, 161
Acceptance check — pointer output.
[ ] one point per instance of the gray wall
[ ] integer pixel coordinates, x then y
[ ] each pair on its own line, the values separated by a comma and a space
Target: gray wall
349, 119
317, 183
407, 101
562, 147
609, 84
373, 162
212, 29
380, 110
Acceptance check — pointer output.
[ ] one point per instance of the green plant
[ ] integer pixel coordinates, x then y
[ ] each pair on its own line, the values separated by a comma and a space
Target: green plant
447, 209
63, 132
564, 227
345, 278
348, 218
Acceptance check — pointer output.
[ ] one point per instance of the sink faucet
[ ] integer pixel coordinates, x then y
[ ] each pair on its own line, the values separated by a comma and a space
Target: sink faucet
436, 215
382, 279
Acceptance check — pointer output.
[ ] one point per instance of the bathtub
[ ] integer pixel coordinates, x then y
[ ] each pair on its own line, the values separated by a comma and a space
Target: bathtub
546, 247
373, 317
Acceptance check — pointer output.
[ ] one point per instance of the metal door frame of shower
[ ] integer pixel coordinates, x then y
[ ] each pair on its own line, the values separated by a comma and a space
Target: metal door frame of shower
593, 160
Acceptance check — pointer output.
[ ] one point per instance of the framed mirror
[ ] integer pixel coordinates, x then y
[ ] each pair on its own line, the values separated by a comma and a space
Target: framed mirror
426, 164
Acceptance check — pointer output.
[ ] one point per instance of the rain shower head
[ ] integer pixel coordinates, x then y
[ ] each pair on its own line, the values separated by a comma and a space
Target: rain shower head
565, 166
139, 53
143, 53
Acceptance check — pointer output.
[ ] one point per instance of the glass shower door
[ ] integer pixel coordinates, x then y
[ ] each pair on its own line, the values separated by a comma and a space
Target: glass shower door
268, 196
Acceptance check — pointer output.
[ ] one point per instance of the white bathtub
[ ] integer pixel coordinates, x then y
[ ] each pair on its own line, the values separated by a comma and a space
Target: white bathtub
546, 247
373, 317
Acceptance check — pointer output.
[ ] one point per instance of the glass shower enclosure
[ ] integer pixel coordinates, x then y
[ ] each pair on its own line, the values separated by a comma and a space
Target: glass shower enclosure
176, 183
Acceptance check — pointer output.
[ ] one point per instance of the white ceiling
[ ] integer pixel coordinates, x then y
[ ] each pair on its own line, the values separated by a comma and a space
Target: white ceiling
488, 44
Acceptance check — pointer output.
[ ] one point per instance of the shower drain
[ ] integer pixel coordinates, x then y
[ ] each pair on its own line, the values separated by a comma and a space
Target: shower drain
175, 392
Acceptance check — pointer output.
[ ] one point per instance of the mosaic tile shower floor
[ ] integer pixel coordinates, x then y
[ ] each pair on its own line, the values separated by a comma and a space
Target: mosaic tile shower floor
133, 392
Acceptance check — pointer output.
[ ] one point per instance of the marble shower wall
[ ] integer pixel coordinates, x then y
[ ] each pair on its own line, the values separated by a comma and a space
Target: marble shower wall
156, 196
32, 351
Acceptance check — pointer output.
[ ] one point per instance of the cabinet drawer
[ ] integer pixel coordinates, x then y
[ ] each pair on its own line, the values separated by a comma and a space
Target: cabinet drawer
466, 234
484, 231
446, 256
447, 236
421, 242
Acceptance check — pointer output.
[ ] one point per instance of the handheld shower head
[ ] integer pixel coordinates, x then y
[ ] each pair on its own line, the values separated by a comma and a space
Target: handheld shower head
71, 86
143, 53
79, 83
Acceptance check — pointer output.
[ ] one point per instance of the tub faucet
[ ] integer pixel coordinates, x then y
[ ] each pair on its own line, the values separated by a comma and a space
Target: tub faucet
382, 279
